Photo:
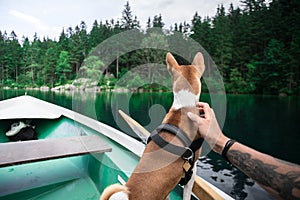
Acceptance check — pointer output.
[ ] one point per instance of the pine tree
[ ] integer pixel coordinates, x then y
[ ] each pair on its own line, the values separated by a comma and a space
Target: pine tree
222, 35
84, 39
63, 67
157, 21
201, 32
50, 63
148, 23
2, 56
13, 58
128, 21
95, 36
26, 73
127, 17
63, 41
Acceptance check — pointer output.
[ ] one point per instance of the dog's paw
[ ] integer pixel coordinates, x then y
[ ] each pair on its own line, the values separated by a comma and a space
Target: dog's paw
115, 192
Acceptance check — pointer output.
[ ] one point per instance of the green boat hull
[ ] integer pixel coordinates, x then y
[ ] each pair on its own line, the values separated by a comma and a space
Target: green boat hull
77, 177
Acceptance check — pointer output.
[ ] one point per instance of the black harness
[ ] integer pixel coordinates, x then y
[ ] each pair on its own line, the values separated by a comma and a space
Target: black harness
187, 153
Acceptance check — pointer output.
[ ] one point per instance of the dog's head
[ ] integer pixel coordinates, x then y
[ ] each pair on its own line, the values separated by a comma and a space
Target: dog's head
186, 80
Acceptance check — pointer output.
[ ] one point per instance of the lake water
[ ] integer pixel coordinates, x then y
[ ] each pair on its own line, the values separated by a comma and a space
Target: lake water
269, 124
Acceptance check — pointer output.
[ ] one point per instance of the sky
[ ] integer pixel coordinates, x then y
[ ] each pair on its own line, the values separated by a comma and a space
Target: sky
47, 18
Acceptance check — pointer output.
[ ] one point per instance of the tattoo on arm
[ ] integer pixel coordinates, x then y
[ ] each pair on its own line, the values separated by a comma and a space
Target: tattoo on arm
266, 174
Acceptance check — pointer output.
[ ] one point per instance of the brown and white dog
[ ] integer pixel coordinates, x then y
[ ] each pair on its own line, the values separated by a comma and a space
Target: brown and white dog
158, 170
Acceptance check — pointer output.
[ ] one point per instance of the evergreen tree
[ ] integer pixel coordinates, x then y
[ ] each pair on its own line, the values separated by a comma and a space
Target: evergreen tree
128, 21
222, 44
50, 63
201, 32
176, 27
13, 58
157, 21
271, 71
83, 39
127, 17
2, 55
63, 67
148, 23
27, 76
63, 41
37, 53
96, 35
241, 53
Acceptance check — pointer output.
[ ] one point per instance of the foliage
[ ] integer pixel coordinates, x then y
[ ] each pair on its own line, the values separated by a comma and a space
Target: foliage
63, 67
92, 68
256, 48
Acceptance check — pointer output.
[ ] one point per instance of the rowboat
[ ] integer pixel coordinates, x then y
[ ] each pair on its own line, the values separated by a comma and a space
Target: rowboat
72, 156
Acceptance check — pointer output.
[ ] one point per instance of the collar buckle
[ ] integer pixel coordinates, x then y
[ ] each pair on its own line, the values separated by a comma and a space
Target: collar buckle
188, 155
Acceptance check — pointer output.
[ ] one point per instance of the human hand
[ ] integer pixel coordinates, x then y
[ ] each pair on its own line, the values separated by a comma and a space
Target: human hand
208, 127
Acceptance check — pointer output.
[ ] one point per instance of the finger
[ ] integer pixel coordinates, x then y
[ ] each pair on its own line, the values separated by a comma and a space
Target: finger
202, 104
195, 118
212, 113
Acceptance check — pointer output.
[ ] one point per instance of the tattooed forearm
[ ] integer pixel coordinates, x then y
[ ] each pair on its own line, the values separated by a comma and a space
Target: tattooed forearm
266, 174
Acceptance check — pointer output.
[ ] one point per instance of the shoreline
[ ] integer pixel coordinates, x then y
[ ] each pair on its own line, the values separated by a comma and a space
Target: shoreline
99, 89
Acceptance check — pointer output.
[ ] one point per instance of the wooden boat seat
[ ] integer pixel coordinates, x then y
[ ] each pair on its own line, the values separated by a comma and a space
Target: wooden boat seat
13, 153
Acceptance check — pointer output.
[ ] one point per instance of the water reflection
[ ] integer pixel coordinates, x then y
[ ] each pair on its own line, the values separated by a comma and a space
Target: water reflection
232, 181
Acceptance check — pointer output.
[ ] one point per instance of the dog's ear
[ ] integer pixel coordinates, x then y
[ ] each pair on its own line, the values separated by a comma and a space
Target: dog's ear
199, 62
171, 62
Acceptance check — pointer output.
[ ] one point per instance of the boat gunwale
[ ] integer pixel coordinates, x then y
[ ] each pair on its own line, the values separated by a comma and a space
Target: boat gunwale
57, 111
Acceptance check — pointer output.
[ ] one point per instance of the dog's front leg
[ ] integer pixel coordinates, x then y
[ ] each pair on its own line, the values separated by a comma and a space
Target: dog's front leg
187, 191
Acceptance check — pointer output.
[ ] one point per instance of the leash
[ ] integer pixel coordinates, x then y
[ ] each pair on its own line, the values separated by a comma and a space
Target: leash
187, 153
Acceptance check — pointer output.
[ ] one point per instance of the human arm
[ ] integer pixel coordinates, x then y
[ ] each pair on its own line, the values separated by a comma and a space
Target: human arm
280, 178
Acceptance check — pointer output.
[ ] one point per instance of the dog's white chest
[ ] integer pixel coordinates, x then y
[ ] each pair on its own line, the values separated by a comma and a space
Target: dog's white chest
184, 98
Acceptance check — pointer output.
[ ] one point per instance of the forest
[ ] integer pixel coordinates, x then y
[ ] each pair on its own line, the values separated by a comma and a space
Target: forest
256, 47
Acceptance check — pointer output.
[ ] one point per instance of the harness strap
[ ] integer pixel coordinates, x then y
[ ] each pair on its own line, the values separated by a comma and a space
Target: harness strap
187, 152
176, 131
177, 150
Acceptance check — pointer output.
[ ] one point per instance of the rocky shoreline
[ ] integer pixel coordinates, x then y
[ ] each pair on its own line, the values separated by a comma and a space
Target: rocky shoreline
87, 85
81, 84
70, 88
